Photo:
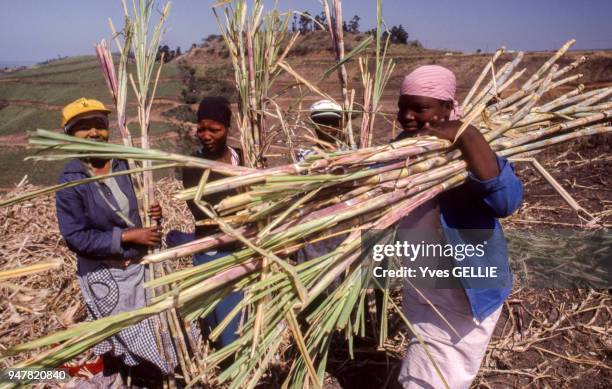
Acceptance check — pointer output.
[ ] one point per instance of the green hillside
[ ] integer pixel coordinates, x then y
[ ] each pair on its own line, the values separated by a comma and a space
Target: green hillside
32, 98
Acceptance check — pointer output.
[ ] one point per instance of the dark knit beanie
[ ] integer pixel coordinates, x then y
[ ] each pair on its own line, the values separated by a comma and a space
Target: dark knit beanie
215, 108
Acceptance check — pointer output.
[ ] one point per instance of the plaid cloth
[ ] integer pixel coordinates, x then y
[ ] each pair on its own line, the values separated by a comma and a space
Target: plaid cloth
108, 291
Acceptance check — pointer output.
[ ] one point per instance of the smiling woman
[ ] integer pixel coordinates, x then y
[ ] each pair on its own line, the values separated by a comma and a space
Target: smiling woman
100, 222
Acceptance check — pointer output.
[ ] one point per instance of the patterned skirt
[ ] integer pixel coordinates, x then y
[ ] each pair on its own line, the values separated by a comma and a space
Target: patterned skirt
110, 290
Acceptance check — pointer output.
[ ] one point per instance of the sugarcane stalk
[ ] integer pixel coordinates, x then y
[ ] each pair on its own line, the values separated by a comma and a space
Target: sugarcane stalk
30, 269
561, 100
490, 91
534, 135
550, 62
334, 26
481, 77
554, 140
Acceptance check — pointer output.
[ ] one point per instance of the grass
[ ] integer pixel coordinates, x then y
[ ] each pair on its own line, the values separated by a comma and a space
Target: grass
79, 64
52, 93
16, 119
208, 80
168, 89
183, 113
213, 71
162, 128
60, 93
14, 168
65, 80
60, 82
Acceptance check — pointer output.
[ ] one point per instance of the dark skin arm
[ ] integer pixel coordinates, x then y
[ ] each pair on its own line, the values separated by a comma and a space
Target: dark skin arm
476, 151
150, 236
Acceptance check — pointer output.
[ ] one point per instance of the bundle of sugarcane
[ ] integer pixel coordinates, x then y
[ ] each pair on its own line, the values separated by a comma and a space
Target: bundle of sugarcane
282, 209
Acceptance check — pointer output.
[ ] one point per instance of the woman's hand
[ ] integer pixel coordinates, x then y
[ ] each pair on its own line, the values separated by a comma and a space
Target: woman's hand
155, 212
150, 236
476, 150
442, 129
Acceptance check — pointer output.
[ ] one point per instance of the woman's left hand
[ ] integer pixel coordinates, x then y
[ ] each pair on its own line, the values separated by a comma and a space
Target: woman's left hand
155, 212
444, 129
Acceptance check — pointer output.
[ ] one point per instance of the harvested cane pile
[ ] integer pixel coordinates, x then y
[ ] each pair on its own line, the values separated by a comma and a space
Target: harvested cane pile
341, 193
38, 304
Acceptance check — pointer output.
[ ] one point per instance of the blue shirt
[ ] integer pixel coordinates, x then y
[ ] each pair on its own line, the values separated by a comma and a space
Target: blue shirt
477, 205
90, 227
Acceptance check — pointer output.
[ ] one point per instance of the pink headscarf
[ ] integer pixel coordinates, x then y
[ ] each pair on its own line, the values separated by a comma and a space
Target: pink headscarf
433, 81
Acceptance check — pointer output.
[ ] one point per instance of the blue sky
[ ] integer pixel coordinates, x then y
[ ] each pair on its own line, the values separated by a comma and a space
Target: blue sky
35, 30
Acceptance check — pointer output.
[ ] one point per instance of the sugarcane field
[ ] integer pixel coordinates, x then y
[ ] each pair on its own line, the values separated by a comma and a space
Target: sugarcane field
316, 194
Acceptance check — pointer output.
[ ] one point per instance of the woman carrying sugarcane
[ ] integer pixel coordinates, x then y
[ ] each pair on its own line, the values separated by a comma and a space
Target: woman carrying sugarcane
465, 214
214, 120
100, 222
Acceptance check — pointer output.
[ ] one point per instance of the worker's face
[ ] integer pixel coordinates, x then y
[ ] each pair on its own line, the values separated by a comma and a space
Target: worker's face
95, 129
415, 111
212, 135
327, 129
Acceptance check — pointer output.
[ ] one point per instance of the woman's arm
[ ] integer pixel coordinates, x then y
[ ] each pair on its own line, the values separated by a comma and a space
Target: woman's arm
476, 151
490, 177
479, 156
80, 237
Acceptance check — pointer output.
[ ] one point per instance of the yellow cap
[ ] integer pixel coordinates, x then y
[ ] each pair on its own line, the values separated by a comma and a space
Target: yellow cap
81, 106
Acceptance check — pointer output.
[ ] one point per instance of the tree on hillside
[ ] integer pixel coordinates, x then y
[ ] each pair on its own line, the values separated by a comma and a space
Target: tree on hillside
399, 35
416, 43
168, 54
305, 22
320, 19
165, 51
353, 24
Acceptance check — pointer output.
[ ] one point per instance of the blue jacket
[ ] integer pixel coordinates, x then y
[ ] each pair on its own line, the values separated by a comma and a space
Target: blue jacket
476, 205
90, 227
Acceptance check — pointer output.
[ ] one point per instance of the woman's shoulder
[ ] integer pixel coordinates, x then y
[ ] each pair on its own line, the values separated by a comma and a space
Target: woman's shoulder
73, 170
237, 152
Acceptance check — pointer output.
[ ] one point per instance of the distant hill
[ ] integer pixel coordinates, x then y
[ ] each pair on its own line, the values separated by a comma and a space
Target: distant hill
32, 98
15, 64
312, 44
